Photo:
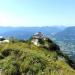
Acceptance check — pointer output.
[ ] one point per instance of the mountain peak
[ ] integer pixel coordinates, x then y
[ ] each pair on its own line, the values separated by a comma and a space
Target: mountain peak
24, 58
39, 39
38, 35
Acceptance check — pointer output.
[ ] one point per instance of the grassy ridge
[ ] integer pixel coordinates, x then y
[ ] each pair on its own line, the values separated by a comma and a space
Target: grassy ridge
24, 58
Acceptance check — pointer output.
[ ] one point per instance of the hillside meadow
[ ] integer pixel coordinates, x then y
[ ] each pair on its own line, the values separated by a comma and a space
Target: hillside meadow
24, 58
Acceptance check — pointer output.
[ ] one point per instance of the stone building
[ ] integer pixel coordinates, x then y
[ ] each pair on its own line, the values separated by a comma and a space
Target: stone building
36, 37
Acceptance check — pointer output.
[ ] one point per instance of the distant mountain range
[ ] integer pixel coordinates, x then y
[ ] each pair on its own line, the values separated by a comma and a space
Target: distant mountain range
64, 36
27, 32
66, 40
67, 35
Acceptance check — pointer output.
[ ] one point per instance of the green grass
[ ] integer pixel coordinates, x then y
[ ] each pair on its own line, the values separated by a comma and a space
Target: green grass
24, 58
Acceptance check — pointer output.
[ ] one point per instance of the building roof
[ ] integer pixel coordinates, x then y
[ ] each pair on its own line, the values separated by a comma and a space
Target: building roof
38, 35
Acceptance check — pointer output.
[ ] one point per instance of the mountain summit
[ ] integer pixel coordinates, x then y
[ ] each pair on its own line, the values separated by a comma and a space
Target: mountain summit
27, 58
39, 39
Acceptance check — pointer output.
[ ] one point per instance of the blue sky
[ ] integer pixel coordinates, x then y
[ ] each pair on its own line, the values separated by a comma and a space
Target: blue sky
37, 12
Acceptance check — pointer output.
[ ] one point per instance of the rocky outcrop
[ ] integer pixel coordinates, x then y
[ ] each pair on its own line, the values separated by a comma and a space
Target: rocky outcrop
3, 40
39, 39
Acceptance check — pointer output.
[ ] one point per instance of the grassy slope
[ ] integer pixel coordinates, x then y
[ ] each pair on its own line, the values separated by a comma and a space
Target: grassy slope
20, 58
